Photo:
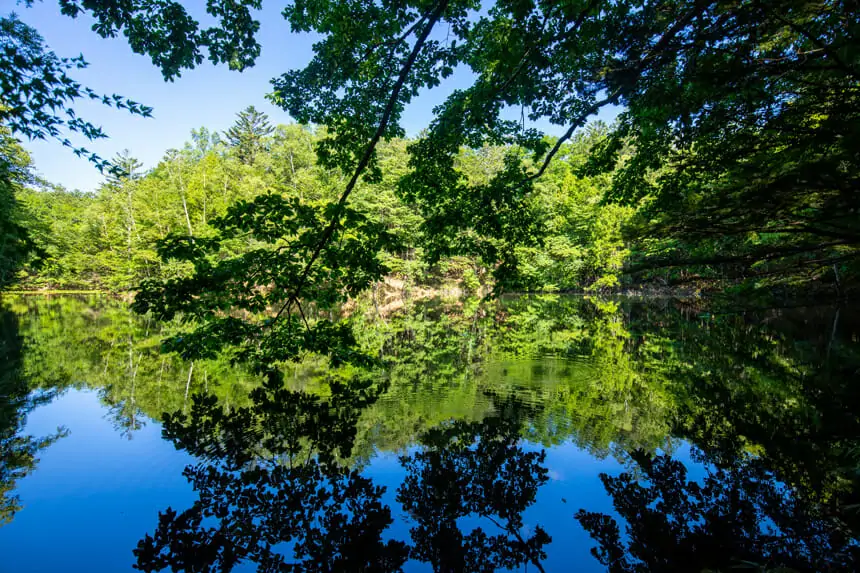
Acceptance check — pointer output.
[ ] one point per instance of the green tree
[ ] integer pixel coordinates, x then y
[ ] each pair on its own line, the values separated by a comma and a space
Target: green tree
702, 125
564, 62
740, 165
249, 134
39, 90
124, 167
17, 246
741, 141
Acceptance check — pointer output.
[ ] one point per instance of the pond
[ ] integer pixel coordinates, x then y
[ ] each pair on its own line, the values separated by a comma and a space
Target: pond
539, 433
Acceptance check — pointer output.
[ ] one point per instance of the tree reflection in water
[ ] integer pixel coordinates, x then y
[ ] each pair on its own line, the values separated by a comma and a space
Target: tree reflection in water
478, 470
276, 480
737, 517
281, 485
768, 399
18, 451
272, 480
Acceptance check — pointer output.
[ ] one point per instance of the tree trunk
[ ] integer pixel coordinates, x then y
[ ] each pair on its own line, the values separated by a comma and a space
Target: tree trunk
188, 383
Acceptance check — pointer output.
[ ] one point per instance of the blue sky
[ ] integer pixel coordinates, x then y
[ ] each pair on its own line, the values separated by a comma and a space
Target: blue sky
208, 96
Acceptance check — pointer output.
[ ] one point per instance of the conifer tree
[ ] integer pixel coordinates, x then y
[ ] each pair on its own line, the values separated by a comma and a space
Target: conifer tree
248, 134
124, 166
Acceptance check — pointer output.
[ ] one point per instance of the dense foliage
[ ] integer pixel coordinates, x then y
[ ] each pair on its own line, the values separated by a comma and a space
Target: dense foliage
736, 146
17, 247
744, 133
108, 240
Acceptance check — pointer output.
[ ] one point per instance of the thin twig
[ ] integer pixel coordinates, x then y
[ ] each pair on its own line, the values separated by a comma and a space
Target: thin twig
301, 310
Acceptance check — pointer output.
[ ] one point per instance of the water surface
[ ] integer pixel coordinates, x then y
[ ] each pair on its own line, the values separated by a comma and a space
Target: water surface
535, 433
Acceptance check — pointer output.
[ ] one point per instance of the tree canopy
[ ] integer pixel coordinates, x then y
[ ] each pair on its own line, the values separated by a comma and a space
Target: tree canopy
39, 91
17, 247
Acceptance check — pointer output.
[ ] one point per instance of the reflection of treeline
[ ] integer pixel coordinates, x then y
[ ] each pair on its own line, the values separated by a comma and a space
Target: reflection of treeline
775, 387
274, 489
769, 400
568, 355
609, 375
99, 344
18, 450
439, 357
738, 516
777, 384
291, 455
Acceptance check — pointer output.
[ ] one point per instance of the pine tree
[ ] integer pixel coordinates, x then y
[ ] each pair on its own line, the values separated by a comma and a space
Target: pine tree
248, 134
123, 166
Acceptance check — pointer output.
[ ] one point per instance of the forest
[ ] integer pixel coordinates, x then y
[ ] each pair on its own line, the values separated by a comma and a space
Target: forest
731, 167
107, 240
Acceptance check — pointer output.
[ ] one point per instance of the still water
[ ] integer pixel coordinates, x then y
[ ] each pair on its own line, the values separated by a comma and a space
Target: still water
543, 433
